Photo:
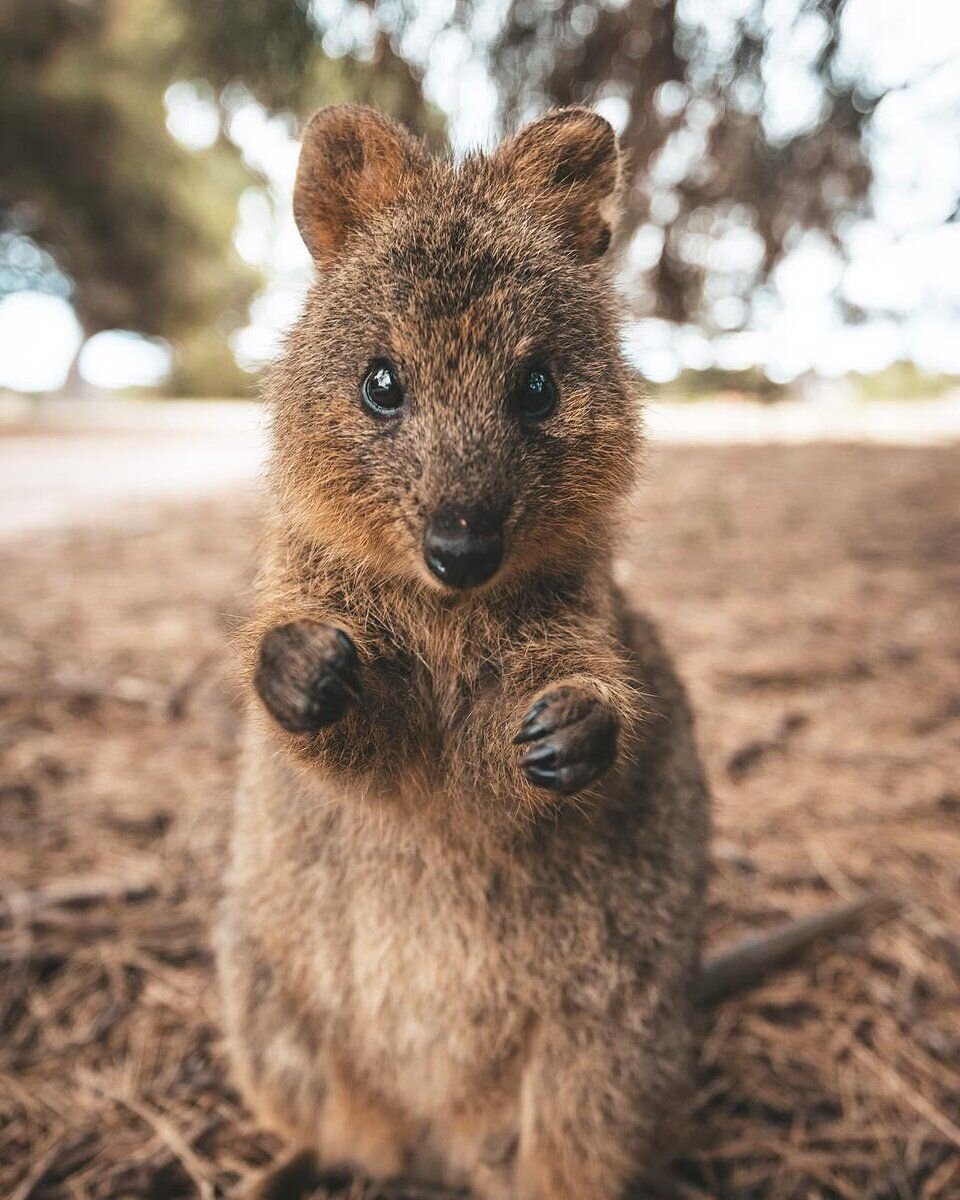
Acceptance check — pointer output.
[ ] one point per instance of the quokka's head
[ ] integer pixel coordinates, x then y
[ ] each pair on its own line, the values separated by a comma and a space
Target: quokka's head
452, 406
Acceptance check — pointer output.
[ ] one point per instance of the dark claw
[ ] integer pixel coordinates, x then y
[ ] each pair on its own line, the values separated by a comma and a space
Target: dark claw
574, 740
540, 756
531, 727
544, 777
347, 646
536, 709
529, 733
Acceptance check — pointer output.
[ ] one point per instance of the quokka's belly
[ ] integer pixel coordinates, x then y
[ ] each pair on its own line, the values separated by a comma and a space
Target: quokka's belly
435, 1011
408, 956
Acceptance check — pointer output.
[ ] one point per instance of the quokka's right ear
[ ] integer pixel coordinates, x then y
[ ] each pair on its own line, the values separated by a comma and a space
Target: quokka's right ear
568, 162
353, 162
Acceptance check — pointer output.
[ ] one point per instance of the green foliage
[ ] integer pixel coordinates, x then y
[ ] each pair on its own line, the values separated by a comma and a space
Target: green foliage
94, 186
268, 45
203, 365
272, 48
904, 381
141, 226
708, 383
700, 106
97, 196
899, 381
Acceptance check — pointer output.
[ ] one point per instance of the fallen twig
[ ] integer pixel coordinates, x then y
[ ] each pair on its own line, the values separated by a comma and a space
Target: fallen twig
165, 1129
24, 906
42, 1167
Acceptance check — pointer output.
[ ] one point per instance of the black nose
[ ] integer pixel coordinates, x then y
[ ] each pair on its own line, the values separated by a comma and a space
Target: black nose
463, 546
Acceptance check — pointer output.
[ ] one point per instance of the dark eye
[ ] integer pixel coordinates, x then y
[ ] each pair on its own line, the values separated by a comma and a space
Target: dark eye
381, 391
536, 397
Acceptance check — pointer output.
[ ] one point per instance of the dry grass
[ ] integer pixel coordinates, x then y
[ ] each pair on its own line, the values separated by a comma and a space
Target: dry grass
811, 597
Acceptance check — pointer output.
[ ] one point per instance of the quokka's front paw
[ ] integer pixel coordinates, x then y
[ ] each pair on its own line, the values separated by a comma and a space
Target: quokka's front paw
306, 675
571, 735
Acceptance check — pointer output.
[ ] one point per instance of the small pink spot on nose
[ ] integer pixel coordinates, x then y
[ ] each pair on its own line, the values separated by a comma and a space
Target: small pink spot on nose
463, 522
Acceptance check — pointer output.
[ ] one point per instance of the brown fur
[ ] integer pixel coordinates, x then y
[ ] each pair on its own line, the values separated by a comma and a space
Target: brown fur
430, 965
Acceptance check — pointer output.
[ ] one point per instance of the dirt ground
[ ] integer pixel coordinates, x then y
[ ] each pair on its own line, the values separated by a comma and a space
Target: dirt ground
810, 595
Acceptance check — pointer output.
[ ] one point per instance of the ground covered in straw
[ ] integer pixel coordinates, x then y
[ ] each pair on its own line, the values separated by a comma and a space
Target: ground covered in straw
810, 595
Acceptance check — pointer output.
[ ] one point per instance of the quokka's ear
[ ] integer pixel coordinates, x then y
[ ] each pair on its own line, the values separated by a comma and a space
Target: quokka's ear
353, 162
570, 163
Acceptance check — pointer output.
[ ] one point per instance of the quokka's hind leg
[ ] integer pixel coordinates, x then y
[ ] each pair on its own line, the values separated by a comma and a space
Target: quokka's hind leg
275, 1050
361, 1131
292, 1079
594, 1109
354, 1136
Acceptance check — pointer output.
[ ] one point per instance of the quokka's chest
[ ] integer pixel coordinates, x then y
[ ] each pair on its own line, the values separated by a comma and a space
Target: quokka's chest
441, 678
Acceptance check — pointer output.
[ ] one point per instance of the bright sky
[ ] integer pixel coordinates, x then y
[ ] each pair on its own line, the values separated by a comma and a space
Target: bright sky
905, 260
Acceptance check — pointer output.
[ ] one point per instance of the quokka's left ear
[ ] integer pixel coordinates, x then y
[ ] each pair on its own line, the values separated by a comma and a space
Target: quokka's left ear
568, 161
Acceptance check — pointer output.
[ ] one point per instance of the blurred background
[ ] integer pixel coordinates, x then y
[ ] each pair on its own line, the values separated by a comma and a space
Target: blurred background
790, 264
791, 216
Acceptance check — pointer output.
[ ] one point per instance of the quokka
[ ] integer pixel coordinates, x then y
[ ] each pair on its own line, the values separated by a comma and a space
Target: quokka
461, 939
